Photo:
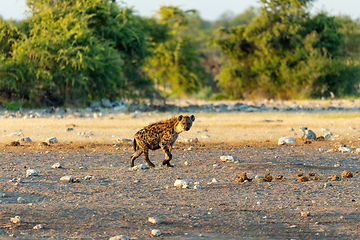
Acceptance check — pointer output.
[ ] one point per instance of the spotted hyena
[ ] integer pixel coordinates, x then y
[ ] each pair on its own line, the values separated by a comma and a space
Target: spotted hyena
158, 135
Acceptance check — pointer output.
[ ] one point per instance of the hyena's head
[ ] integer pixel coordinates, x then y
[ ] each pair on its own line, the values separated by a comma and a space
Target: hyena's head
184, 123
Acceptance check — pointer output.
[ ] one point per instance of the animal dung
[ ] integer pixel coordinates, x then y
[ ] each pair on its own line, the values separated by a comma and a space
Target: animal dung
334, 178
302, 179
346, 174
228, 158
266, 178
305, 214
242, 177
299, 174
280, 178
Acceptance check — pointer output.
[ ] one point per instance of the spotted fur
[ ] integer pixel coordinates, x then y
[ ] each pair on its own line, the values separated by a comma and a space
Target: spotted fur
158, 135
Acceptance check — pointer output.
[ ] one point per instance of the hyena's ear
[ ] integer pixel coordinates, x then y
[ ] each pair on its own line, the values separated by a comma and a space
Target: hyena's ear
192, 117
180, 117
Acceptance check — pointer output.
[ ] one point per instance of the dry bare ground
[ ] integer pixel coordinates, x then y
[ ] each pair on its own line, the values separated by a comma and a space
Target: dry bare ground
119, 201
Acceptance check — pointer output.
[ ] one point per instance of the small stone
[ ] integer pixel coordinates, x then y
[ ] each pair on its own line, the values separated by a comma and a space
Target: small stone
187, 163
197, 187
123, 140
286, 140
266, 178
16, 219
228, 158
299, 174
303, 128
39, 226
139, 167
88, 177
69, 129
259, 176
180, 183
308, 135
356, 172
51, 140
337, 165
155, 232
293, 226
69, 178
185, 186
15, 143
20, 200
25, 139
154, 220
57, 165
215, 180
327, 184
346, 174
321, 149
31, 172
120, 237
344, 149
205, 136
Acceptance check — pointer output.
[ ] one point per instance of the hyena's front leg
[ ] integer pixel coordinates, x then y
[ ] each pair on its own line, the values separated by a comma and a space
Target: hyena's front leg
146, 156
168, 156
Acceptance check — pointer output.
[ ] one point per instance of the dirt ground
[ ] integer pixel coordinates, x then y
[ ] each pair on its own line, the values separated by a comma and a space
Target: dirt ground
119, 201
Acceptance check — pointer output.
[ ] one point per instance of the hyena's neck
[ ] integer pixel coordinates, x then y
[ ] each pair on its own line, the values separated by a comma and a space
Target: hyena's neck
178, 128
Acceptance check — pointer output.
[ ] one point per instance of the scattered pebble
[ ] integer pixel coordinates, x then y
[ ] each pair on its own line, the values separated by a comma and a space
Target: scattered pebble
205, 136
69, 178
334, 178
31, 172
39, 226
228, 158
302, 179
197, 187
337, 165
57, 165
154, 220
16, 219
180, 183
280, 178
286, 140
344, 149
305, 214
321, 149
215, 180
51, 140
20, 200
120, 237
187, 163
266, 178
327, 184
139, 167
155, 232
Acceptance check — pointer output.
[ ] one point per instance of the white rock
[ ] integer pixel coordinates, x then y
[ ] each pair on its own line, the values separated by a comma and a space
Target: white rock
325, 130
228, 158
197, 187
123, 140
215, 180
327, 136
139, 167
185, 186
337, 165
303, 128
293, 226
259, 176
327, 184
39, 226
31, 172
187, 163
120, 237
197, 183
69, 178
88, 177
20, 200
155, 232
309, 134
321, 149
190, 140
154, 220
344, 149
16, 219
25, 139
357, 150
57, 165
205, 136
286, 140
180, 183
51, 140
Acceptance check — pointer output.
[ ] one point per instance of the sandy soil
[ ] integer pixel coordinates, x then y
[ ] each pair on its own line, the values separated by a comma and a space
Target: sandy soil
119, 201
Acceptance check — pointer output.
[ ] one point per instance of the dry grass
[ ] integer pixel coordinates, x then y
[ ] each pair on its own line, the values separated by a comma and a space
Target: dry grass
222, 127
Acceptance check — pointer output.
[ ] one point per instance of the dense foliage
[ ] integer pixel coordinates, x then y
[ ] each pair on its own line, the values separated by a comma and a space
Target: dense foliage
70, 52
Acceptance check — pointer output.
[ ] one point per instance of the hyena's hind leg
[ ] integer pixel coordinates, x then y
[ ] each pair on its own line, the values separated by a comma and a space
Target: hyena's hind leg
136, 154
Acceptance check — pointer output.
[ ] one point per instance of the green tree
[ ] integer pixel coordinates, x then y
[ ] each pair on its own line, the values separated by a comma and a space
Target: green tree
175, 62
284, 53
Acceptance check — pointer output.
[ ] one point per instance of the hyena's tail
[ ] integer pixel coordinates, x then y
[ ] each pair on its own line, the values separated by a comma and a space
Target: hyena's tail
135, 145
